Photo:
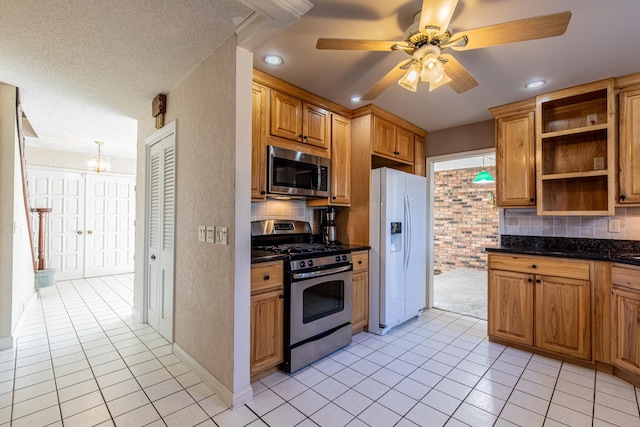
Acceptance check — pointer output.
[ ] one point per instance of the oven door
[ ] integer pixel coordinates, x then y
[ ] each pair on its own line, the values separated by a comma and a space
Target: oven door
320, 302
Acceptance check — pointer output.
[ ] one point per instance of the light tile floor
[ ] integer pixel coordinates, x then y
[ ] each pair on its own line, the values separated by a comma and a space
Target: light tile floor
82, 360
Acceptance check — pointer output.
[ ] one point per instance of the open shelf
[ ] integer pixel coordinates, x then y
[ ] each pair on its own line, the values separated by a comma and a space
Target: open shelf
573, 112
572, 195
584, 152
574, 175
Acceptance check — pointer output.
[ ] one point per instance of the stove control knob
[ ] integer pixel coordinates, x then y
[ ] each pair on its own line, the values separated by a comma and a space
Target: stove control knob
302, 264
310, 263
338, 258
344, 257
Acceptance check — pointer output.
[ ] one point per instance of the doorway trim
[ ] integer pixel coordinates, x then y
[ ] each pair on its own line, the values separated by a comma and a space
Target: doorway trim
430, 202
154, 138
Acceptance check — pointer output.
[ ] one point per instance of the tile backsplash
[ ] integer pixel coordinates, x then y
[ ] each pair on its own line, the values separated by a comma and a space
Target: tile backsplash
525, 222
284, 209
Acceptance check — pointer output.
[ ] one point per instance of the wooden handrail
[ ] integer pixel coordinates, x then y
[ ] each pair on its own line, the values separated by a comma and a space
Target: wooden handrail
27, 208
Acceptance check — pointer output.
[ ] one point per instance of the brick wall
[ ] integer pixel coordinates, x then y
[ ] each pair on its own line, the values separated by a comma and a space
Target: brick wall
464, 221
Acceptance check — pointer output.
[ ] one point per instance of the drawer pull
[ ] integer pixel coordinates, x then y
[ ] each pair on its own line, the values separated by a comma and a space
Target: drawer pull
266, 277
534, 266
360, 261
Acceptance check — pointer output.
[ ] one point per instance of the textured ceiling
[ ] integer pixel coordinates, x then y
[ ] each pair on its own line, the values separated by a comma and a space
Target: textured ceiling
87, 69
601, 41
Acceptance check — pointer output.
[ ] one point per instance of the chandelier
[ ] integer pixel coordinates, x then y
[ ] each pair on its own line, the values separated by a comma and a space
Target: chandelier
99, 164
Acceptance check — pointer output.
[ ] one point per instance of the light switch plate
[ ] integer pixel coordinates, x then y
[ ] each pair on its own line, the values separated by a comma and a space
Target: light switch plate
598, 163
221, 235
202, 233
614, 225
592, 119
210, 232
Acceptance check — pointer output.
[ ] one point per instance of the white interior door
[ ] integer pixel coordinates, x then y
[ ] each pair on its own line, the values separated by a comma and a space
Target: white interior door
160, 232
110, 215
64, 193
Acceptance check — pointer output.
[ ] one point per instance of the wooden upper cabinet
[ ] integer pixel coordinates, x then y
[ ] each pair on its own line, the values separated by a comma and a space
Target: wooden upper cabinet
420, 161
258, 147
293, 119
575, 150
384, 137
629, 145
340, 160
404, 145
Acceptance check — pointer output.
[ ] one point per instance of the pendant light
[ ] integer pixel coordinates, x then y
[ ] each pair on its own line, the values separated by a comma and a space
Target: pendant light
483, 176
99, 164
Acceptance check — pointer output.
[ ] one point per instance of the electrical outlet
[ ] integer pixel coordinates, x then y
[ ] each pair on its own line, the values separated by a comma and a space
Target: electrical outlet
614, 225
202, 233
210, 232
598, 163
221, 235
592, 119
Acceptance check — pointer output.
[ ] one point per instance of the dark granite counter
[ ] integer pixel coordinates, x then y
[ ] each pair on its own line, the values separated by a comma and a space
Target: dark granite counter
567, 247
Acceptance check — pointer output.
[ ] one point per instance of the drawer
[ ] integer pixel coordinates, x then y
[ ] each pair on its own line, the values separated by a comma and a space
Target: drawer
550, 266
267, 275
626, 276
360, 260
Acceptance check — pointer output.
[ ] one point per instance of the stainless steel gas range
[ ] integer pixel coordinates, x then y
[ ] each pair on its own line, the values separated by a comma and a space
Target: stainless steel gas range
318, 290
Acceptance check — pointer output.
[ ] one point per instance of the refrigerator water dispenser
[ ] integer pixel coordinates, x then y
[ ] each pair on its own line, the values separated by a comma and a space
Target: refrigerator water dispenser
396, 236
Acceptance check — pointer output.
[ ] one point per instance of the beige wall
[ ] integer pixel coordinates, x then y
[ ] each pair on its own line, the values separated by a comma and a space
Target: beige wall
475, 136
203, 105
69, 160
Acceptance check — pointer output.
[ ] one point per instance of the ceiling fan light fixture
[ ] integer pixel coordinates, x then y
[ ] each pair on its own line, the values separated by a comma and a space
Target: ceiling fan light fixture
411, 78
433, 70
443, 80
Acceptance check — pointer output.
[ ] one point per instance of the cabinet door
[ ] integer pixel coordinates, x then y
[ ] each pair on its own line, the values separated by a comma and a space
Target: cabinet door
404, 145
285, 116
315, 126
360, 316
563, 316
258, 148
267, 348
419, 159
511, 306
515, 155
384, 137
340, 160
630, 147
625, 337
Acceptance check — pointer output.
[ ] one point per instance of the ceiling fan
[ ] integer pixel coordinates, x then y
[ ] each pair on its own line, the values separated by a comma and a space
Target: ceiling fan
428, 37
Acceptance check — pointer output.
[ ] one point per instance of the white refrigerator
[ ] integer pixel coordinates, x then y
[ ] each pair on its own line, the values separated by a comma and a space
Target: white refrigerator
398, 240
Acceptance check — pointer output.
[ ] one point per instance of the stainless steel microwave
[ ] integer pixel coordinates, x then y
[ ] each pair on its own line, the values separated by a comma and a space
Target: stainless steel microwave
292, 173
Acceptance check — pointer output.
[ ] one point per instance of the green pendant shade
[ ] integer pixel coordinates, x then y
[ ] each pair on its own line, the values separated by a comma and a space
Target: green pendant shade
484, 177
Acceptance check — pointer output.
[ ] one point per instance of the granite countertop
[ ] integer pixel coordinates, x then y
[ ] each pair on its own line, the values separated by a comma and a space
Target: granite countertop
258, 256
567, 247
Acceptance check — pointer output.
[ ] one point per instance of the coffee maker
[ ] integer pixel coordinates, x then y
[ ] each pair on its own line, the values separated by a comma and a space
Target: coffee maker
328, 226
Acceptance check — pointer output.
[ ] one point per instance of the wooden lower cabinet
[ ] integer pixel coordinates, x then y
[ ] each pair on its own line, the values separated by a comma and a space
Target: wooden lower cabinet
625, 316
360, 317
267, 317
548, 312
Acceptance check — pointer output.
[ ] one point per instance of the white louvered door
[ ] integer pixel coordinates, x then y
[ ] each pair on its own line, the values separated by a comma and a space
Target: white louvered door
161, 225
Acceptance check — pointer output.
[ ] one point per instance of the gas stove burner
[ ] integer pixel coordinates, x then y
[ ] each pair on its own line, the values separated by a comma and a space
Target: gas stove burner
300, 248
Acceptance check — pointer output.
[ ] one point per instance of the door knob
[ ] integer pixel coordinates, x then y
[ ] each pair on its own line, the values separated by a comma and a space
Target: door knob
89, 232
79, 231
153, 257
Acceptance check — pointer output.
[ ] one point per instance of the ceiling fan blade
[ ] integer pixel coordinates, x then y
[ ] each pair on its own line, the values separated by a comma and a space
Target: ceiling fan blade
538, 27
354, 44
384, 83
436, 15
461, 80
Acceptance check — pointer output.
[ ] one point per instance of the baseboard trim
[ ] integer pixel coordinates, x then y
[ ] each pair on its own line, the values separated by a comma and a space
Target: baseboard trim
229, 398
10, 341
6, 343
136, 314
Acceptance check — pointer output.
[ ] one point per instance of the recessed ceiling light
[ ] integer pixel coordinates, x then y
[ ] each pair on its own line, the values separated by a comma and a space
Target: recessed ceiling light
355, 99
535, 84
273, 60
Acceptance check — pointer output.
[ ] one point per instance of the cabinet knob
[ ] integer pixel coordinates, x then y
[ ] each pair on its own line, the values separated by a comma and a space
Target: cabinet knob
263, 192
530, 280
305, 137
334, 197
532, 199
623, 197
300, 136
266, 277
534, 266
538, 281
281, 296
359, 261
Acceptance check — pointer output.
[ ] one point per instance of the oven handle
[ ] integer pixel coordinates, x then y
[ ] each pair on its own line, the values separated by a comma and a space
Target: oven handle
319, 273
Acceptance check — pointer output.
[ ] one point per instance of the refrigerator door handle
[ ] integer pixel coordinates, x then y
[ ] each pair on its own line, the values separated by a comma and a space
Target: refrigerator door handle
407, 231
